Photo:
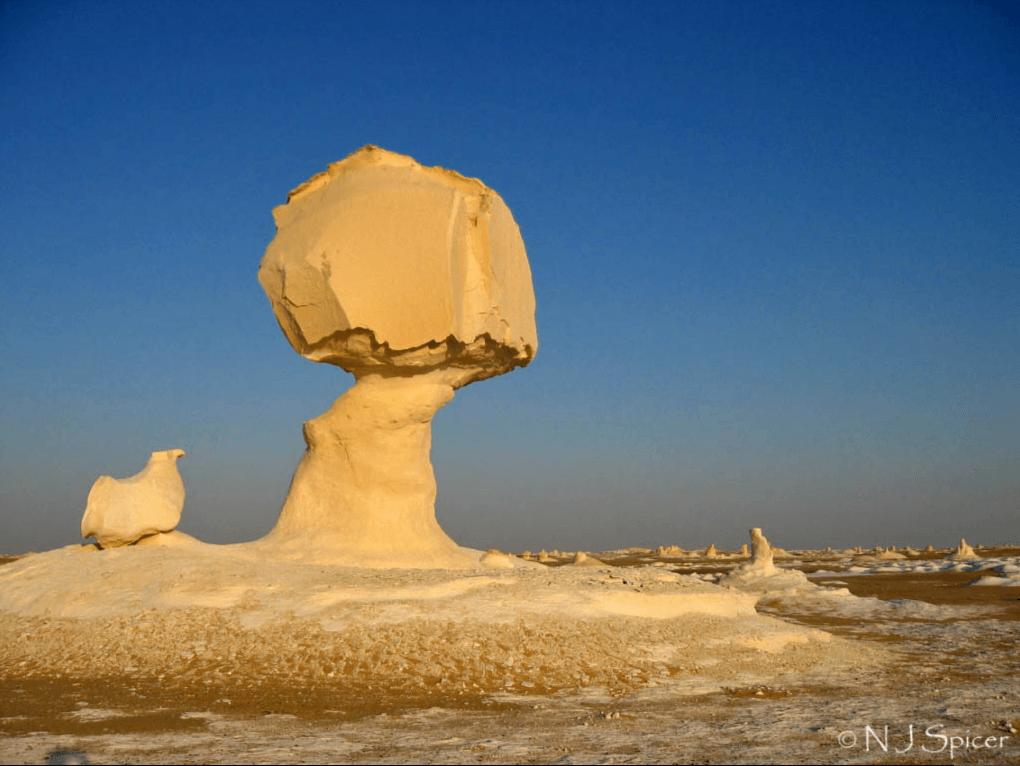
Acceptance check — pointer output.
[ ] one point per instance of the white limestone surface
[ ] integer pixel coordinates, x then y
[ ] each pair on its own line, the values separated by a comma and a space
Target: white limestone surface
121, 511
103, 605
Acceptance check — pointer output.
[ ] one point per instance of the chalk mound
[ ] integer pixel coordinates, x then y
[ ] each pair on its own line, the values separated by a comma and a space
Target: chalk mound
494, 559
173, 539
380, 264
218, 612
582, 559
670, 551
890, 555
122, 511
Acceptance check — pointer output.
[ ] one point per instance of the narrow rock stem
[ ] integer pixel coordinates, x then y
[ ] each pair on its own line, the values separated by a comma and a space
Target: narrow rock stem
364, 493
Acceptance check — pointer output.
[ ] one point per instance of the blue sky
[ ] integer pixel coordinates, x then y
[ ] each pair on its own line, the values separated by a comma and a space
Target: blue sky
774, 248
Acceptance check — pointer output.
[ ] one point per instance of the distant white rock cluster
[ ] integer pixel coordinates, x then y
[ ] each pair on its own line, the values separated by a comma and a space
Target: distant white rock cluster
122, 511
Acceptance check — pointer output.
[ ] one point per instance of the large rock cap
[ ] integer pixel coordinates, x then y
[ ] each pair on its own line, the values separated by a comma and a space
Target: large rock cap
382, 265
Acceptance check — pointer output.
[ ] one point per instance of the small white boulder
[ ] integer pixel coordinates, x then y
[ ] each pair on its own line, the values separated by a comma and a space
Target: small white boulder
122, 511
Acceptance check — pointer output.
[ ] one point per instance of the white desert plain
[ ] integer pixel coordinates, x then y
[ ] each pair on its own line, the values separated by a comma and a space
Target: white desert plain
358, 631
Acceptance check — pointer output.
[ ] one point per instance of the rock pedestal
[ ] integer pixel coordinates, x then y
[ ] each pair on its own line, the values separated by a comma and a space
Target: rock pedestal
364, 493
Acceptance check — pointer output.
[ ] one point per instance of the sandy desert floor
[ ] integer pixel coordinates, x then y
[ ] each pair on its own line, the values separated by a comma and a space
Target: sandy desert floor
887, 661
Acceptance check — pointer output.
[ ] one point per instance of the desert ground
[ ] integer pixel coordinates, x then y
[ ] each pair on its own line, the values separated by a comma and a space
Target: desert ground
156, 655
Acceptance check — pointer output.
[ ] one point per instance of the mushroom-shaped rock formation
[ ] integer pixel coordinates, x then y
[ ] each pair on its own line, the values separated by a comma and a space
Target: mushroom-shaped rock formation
122, 511
415, 280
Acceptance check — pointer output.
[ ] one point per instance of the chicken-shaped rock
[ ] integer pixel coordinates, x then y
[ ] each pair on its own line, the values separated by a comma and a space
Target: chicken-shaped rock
122, 511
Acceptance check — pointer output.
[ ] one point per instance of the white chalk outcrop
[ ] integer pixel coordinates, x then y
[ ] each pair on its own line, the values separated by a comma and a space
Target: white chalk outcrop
122, 511
964, 552
415, 280
760, 564
761, 574
889, 555
582, 559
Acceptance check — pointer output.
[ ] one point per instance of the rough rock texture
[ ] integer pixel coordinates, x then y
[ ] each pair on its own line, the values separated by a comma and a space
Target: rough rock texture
415, 280
383, 265
760, 563
122, 511
761, 574
364, 493
964, 552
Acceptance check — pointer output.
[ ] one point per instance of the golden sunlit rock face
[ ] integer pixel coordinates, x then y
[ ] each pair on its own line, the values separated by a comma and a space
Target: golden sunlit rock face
382, 265
415, 280
121, 511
